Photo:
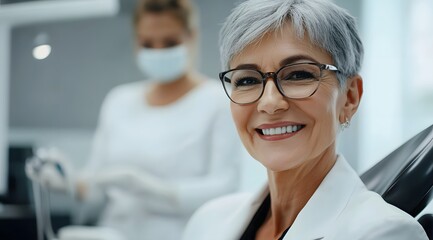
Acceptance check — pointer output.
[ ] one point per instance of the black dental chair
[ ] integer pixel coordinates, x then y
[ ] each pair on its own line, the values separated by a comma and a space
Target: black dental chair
405, 177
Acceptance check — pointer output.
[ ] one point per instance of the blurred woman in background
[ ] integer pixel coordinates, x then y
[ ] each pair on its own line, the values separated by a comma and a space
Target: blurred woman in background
163, 145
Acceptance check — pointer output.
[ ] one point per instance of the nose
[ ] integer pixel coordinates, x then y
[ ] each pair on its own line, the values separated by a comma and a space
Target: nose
272, 101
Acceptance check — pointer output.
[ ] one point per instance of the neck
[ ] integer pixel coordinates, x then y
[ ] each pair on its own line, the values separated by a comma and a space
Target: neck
161, 94
290, 190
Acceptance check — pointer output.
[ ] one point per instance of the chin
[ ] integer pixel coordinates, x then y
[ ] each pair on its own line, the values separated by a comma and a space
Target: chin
278, 163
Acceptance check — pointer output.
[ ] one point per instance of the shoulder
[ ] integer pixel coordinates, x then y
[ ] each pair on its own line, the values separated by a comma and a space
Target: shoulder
219, 208
365, 215
207, 219
122, 95
213, 92
211, 101
212, 85
124, 91
369, 217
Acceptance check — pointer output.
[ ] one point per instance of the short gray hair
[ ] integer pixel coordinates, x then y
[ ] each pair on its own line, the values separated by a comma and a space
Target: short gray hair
327, 25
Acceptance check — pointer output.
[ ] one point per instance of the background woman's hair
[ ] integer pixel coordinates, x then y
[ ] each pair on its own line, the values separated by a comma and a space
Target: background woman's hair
183, 10
327, 25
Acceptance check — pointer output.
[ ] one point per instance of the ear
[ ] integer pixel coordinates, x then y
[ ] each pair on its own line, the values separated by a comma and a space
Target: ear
193, 37
193, 45
353, 92
193, 33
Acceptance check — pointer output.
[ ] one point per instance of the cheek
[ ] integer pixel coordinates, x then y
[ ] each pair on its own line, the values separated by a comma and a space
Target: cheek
322, 109
324, 112
241, 116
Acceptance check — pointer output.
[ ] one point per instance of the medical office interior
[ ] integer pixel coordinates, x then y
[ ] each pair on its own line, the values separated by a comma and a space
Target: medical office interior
52, 98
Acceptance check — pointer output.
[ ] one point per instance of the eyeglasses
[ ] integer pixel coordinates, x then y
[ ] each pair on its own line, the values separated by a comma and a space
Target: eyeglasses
295, 81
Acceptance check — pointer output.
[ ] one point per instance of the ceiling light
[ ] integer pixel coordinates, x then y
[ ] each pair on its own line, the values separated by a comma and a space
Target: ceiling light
42, 48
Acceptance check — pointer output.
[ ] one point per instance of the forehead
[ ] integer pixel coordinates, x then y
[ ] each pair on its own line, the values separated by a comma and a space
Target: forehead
164, 22
278, 48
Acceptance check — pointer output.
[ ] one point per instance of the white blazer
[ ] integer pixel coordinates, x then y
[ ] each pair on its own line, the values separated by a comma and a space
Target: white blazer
340, 209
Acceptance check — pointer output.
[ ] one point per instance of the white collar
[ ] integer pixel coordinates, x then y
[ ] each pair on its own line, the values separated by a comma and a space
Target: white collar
318, 215
327, 203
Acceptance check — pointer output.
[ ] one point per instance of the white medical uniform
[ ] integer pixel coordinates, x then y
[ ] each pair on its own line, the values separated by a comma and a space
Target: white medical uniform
191, 144
340, 209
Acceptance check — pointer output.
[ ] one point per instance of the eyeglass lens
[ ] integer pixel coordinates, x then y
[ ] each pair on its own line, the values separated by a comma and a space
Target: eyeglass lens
295, 81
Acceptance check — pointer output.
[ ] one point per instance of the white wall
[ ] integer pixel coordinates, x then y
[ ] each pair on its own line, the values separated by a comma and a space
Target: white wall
381, 110
31, 13
89, 57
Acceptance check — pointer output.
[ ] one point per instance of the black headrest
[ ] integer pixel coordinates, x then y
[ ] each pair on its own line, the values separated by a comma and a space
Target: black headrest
404, 178
426, 222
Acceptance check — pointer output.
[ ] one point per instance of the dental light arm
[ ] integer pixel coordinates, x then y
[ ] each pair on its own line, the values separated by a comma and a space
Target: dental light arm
51, 170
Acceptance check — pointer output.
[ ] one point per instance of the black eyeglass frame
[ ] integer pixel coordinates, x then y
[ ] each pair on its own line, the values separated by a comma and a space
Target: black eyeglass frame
274, 75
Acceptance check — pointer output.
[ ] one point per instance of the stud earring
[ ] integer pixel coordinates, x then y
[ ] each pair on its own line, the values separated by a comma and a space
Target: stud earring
346, 124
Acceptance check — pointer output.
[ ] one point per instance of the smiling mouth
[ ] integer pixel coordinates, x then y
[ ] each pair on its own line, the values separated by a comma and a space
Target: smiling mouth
280, 130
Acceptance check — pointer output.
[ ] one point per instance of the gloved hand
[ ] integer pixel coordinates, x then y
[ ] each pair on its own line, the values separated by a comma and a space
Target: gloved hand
88, 190
50, 168
135, 180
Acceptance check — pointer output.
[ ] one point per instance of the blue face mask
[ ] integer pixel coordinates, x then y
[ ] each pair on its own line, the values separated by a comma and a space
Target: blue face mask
163, 65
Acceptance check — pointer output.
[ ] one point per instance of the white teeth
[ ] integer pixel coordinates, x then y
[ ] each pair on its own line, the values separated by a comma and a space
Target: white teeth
281, 130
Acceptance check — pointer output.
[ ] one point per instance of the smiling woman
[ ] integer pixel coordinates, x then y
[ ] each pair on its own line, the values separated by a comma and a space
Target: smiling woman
316, 114
292, 78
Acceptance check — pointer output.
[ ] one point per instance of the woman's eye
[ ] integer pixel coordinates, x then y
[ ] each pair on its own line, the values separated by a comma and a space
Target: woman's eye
171, 43
246, 81
298, 75
146, 45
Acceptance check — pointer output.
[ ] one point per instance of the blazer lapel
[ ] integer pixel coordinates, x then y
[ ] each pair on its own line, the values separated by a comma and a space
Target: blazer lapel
238, 222
326, 204
317, 217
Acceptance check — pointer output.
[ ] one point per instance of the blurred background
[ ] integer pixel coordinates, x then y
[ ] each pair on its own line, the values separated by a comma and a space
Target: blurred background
51, 96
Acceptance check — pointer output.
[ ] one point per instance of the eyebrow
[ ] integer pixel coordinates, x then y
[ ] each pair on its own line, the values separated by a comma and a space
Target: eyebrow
285, 61
297, 58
